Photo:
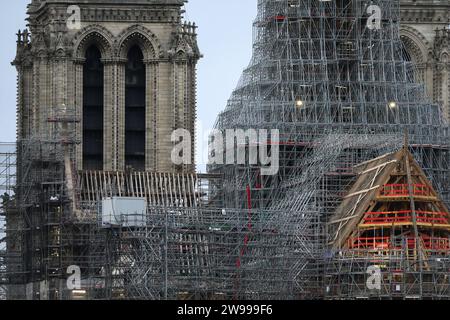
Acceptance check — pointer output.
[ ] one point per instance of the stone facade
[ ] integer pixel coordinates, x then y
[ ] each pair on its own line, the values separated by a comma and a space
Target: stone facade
50, 72
50, 68
426, 34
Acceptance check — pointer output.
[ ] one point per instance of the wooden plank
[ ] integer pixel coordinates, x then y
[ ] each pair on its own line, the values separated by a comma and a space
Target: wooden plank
361, 192
342, 220
153, 189
171, 187
148, 188
110, 183
105, 184
194, 198
377, 167
166, 191
133, 193
141, 189
119, 182
160, 189
180, 196
91, 186
188, 190
183, 184
96, 194
374, 160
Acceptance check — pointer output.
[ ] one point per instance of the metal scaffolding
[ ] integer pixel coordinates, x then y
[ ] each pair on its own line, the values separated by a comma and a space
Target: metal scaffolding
208, 254
347, 275
7, 183
45, 235
340, 92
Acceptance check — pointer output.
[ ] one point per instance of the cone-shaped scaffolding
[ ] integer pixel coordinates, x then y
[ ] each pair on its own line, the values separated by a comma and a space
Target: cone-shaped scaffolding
322, 66
331, 76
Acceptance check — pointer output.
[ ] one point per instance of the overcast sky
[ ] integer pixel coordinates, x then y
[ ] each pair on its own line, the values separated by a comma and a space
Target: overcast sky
225, 39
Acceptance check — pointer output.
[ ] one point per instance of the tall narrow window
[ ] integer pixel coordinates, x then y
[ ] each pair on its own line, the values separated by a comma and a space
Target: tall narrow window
93, 110
135, 110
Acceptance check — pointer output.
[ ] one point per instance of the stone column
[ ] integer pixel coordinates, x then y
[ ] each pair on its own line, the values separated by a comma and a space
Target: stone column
59, 97
192, 111
36, 112
428, 78
446, 88
119, 135
78, 104
40, 99
165, 116
151, 102
109, 115
441, 86
183, 103
21, 130
27, 116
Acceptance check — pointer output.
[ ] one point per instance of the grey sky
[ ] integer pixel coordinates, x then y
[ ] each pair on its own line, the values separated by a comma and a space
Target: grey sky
225, 37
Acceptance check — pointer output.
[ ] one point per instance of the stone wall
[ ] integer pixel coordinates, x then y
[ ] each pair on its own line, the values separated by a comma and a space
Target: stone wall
426, 34
50, 67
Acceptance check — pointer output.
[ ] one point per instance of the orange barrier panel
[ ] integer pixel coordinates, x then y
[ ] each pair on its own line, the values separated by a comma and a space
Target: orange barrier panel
402, 190
392, 217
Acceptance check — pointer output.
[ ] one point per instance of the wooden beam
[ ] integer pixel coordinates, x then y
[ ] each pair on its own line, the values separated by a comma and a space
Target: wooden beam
361, 192
342, 220
377, 167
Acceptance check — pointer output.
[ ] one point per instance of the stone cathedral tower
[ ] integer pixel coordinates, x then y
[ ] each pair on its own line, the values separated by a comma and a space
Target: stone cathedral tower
126, 68
101, 87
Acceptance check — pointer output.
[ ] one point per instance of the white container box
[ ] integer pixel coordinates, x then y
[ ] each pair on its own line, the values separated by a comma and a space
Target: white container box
125, 212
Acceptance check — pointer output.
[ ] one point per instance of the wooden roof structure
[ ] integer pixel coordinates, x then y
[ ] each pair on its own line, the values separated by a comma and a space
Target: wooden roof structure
391, 191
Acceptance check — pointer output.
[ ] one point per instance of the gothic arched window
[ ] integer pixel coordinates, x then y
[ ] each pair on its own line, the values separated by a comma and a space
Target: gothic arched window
412, 54
135, 82
406, 55
93, 110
